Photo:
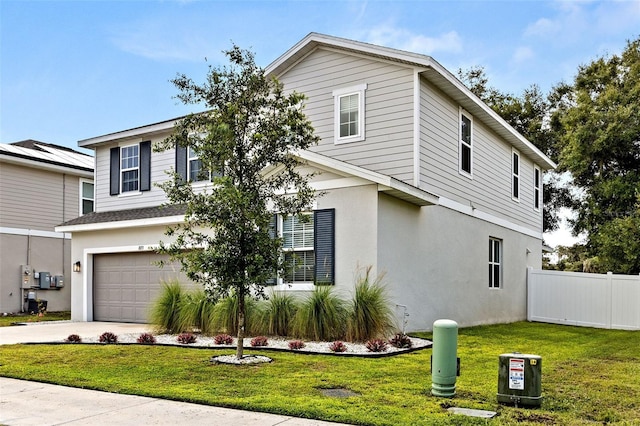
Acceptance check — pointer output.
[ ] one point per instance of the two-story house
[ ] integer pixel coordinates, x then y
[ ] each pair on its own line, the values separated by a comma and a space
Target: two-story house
41, 185
420, 180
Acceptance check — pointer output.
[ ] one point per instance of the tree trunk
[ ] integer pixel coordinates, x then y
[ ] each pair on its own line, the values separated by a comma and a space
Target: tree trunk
240, 345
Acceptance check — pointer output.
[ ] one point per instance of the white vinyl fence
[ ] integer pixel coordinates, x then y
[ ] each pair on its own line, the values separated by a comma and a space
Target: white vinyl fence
589, 300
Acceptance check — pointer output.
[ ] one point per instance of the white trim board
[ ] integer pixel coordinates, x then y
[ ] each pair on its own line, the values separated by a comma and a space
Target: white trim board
34, 233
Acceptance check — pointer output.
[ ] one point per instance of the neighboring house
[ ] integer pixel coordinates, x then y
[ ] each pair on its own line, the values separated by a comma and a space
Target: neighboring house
41, 185
421, 181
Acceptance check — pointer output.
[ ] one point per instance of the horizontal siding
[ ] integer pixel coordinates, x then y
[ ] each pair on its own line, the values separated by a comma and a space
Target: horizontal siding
31, 198
490, 188
388, 147
160, 162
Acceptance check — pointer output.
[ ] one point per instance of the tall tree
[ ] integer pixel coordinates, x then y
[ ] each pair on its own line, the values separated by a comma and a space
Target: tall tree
529, 114
599, 119
250, 124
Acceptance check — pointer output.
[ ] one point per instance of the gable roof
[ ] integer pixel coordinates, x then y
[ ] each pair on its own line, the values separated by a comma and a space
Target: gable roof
429, 69
47, 156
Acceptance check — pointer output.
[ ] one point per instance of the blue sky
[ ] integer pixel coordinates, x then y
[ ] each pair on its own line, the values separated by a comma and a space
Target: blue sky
71, 70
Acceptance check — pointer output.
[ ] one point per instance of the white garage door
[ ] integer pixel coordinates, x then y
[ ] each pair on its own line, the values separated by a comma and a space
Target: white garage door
126, 284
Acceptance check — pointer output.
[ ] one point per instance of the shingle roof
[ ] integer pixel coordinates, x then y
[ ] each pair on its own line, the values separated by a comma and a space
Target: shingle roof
131, 214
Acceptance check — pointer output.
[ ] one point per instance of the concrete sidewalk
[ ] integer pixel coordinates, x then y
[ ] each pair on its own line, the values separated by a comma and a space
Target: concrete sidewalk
32, 403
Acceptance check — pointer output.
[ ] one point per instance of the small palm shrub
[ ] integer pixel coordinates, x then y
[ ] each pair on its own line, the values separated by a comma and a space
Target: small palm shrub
370, 316
280, 309
401, 341
259, 341
225, 317
186, 338
196, 311
296, 344
73, 338
337, 346
223, 339
376, 345
165, 311
108, 337
146, 339
321, 316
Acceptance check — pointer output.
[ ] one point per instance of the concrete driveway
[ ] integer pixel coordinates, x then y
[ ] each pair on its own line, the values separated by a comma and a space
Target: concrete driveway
31, 403
57, 331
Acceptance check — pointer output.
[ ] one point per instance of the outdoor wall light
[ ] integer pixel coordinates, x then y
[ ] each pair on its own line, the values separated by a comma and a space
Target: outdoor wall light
76, 266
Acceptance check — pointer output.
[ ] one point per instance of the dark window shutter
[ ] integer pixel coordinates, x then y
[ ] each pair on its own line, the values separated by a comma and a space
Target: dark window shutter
324, 246
145, 166
181, 162
114, 172
273, 233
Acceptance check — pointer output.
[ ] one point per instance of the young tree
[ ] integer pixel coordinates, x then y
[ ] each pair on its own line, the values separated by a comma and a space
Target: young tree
250, 125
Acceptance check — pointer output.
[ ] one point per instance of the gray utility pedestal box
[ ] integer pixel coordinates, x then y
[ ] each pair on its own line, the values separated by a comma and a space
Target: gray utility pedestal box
520, 379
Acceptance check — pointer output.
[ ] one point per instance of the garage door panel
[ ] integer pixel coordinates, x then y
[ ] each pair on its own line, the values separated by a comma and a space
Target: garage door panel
126, 284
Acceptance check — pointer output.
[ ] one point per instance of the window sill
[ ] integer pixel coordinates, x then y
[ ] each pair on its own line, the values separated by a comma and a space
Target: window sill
293, 287
129, 194
350, 139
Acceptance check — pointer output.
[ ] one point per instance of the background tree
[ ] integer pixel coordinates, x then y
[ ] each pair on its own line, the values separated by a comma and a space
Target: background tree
225, 242
598, 118
529, 114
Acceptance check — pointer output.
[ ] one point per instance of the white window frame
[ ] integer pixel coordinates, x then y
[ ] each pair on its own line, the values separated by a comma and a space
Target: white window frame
82, 198
464, 145
341, 93
493, 262
281, 279
191, 158
516, 167
123, 170
537, 188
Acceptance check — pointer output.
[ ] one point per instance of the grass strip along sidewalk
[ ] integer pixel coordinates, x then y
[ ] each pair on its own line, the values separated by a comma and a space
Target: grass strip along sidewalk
588, 375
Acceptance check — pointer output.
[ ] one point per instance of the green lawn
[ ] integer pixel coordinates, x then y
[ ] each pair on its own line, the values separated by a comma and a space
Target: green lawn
8, 320
589, 376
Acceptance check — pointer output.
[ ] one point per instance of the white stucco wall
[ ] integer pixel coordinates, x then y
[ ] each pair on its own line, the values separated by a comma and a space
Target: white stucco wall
436, 263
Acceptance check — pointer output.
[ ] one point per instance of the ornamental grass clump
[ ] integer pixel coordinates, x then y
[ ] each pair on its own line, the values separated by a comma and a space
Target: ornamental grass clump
223, 339
401, 341
165, 311
108, 337
73, 338
259, 341
337, 346
370, 316
196, 311
296, 345
321, 316
376, 345
280, 309
146, 339
225, 316
186, 338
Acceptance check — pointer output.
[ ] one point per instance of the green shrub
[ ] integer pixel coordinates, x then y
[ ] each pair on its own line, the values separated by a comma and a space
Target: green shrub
280, 309
370, 316
321, 316
165, 311
196, 311
225, 317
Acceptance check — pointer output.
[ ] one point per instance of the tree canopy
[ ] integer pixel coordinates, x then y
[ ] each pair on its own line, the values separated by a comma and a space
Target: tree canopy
249, 125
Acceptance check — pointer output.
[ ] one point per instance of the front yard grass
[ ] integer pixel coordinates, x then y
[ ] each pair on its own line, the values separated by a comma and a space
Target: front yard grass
10, 319
588, 376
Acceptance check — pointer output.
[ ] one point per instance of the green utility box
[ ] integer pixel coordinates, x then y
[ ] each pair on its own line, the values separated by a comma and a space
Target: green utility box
520, 379
444, 364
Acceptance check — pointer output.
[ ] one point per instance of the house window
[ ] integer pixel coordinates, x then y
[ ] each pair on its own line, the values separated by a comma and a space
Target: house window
515, 182
298, 247
495, 263
86, 197
196, 172
129, 167
465, 146
349, 114
536, 187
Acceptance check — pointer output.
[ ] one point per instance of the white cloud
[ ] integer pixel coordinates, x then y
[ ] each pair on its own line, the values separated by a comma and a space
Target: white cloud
399, 38
543, 27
